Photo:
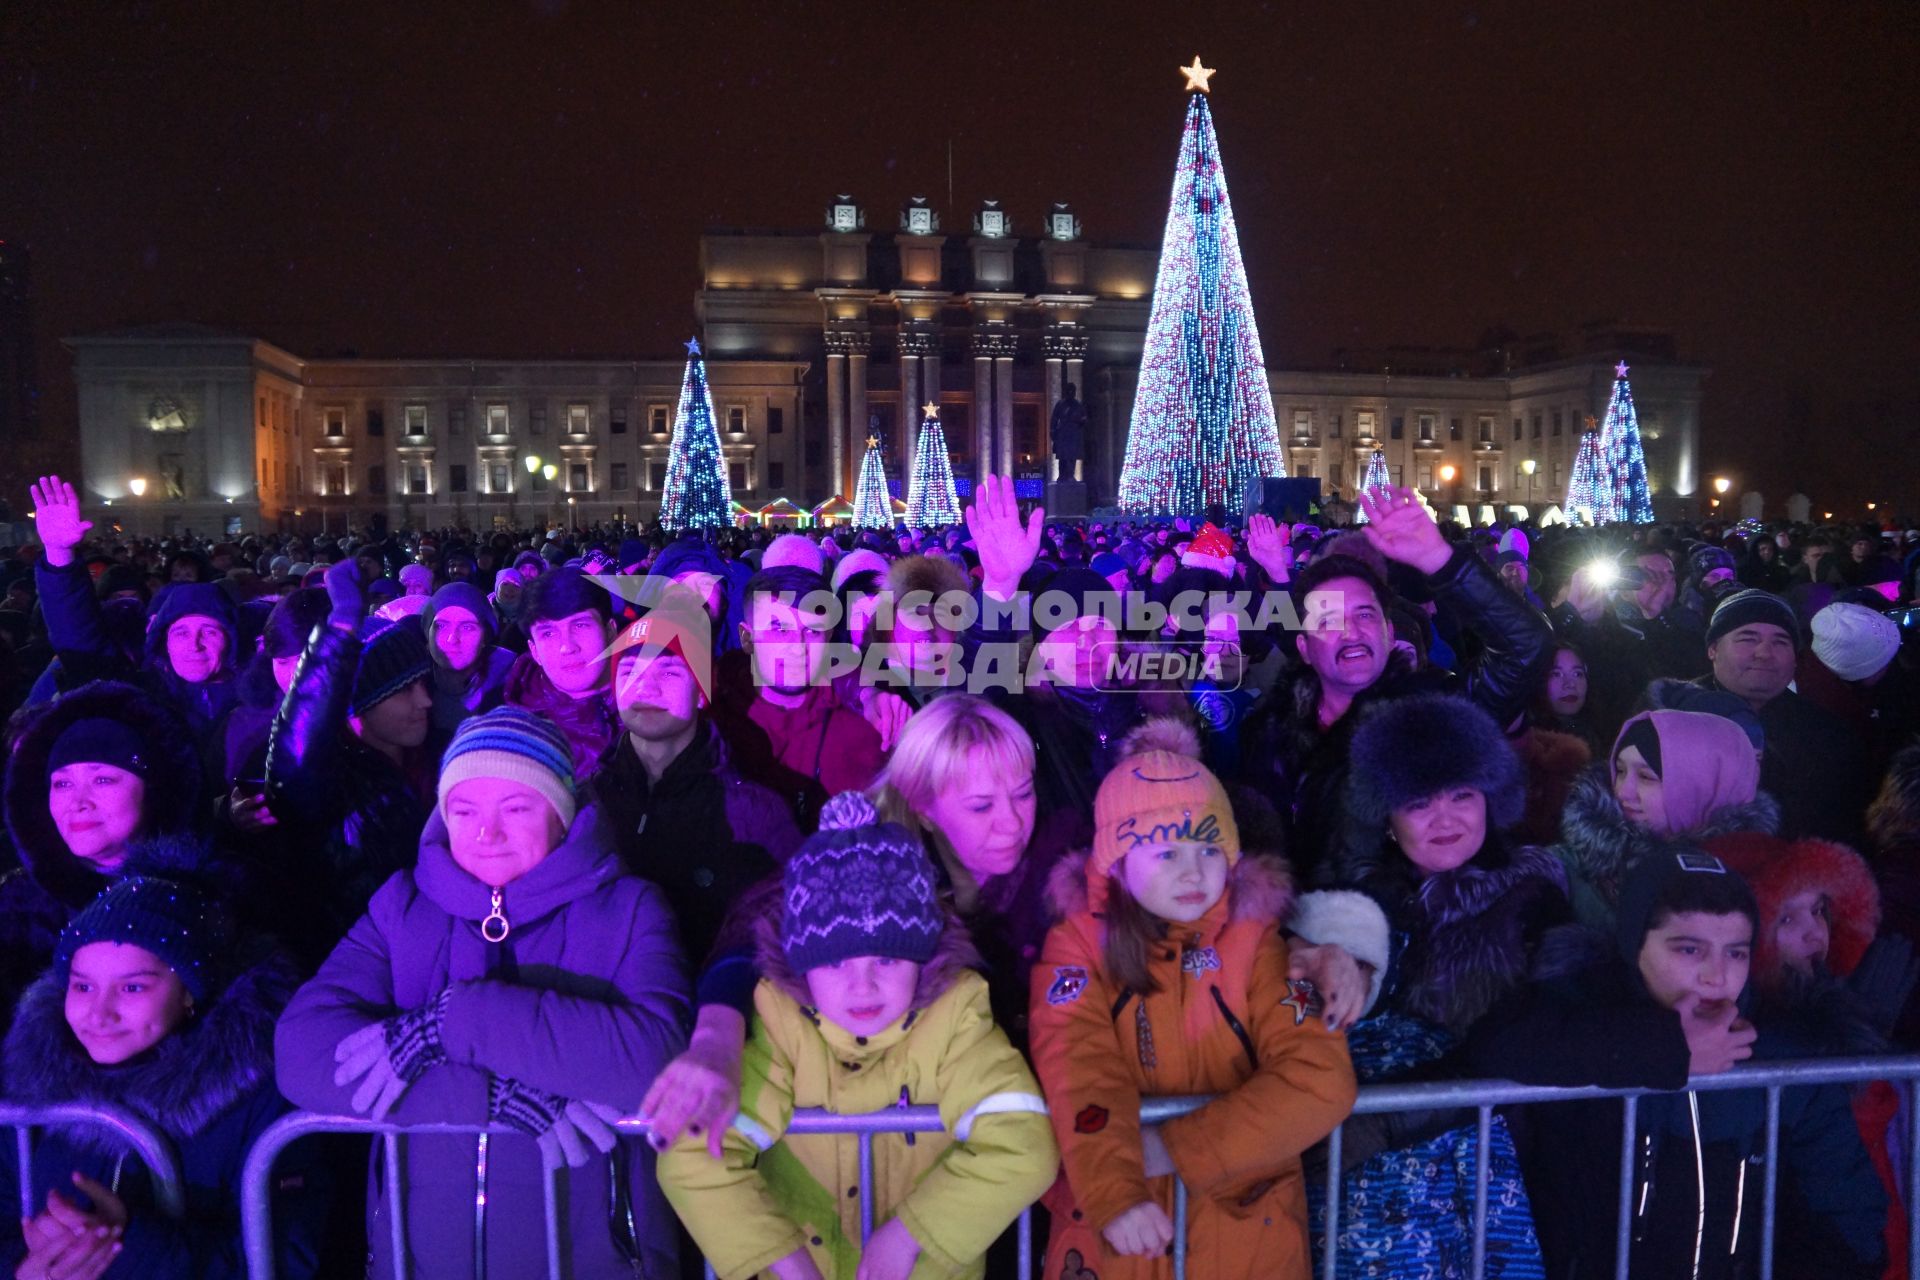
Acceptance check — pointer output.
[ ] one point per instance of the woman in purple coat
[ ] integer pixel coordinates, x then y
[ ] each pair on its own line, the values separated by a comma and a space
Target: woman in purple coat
515, 976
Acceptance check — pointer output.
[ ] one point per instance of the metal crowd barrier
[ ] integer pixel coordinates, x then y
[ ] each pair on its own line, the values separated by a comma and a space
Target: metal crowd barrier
154, 1148
1483, 1096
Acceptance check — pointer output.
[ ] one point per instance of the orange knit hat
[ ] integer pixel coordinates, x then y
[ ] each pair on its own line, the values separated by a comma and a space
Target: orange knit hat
1153, 795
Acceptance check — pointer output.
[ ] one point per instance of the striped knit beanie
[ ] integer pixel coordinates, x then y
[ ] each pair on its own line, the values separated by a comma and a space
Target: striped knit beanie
393, 655
859, 887
518, 746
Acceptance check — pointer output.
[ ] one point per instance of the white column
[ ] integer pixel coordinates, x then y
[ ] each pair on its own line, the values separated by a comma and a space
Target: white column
836, 422
1054, 387
1003, 411
982, 418
910, 415
856, 415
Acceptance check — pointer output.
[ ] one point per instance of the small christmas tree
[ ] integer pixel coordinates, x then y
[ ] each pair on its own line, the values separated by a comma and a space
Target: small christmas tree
1203, 422
931, 501
1376, 478
872, 504
1587, 498
697, 493
1624, 463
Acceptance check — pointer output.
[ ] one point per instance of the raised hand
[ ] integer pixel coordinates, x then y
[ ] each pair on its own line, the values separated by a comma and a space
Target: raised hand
56, 514
1006, 547
1267, 544
1401, 529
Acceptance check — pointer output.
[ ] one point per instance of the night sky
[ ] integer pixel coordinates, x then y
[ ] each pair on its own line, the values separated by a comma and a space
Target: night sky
531, 179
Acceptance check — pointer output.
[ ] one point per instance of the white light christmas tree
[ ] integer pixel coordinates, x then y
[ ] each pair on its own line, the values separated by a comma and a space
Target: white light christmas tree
931, 501
1203, 422
697, 493
1624, 462
872, 504
1376, 478
1586, 497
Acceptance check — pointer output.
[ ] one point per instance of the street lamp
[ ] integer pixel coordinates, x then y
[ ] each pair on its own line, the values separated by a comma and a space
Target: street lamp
1447, 474
533, 463
1721, 484
137, 486
1527, 468
549, 471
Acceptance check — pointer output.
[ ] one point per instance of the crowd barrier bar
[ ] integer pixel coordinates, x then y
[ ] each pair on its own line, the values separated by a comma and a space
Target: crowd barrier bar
154, 1148
1481, 1096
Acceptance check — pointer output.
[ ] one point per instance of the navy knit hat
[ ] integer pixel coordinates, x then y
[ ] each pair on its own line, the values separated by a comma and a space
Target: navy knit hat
1745, 608
517, 745
859, 887
1674, 882
98, 740
178, 923
392, 656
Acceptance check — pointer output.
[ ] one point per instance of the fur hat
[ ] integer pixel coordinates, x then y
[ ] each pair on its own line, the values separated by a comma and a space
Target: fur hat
1412, 747
935, 575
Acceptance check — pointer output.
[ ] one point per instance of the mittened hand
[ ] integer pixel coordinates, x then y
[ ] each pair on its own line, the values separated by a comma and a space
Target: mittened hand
346, 594
567, 1130
388, 1056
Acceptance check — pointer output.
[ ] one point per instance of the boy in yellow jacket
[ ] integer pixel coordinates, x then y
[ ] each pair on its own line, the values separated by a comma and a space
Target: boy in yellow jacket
867, 1001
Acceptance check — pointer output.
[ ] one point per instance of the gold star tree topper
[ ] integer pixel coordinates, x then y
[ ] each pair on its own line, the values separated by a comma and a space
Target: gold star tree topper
931, 409
1197, 76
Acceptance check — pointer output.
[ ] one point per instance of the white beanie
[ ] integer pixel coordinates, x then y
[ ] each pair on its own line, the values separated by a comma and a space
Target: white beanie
1515, 539
859, 560
794, 549
1853, 641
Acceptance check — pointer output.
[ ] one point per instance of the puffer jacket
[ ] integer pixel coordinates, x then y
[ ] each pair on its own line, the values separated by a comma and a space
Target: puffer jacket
209, 1088
1286, 755
955, 1191
1225, 1022
349, 818
50, 885
586, 997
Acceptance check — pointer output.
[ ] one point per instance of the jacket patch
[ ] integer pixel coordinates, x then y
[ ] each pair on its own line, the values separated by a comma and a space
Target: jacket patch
1302, 998
1197, 960
1069, 983
1092, 1119
1074, 1267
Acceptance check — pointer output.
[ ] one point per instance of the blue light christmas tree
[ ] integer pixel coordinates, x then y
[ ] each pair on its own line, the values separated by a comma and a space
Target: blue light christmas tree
872, 504
931, 501
1376, 478
1624, 463
1203, 422
697, 494
1587, 499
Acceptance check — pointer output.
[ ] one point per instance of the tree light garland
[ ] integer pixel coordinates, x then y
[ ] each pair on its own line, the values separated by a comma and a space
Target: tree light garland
698, 494
872, 504
931, 500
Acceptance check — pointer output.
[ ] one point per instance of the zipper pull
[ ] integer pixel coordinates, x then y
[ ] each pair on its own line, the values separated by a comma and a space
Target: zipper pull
495, 927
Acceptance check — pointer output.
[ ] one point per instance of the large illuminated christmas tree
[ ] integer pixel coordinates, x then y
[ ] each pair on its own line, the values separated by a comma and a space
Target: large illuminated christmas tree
1203, 421
1376, 478
872, 504
1624, 463
1587, 498
697, 493
931, 501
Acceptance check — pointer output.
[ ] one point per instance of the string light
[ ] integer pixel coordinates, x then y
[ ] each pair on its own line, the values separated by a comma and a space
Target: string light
1203, 423
931, 500
1585, 497
1376, 478
872, 505
698, 494
1623, 463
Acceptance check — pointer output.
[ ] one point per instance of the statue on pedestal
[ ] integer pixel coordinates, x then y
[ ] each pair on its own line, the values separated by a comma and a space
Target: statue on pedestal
1068, 431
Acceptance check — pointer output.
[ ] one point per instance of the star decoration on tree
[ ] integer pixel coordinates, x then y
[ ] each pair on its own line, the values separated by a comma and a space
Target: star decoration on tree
931, 409
873, 442
1620, 370
1197, 76
693, 346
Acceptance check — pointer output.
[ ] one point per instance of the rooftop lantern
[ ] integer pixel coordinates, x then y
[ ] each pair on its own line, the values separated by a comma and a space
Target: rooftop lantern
917, 217
992, 221
845, 215
1062, 222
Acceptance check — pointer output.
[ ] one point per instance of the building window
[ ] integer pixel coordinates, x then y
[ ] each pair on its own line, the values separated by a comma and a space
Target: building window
737, 475
1426, 428
579, 420
1399, 429
1399, 475
1519, 477
540, 481
1516, 428
736, 418
1536, 424
1426, 477
577, 481
416, 420
1453, 429
1302, 424
1335, 473
617, 420
1556, 422
1363, 423
336, 420
500, 479
657, 419
1486, 479
1301, 471
334, 480
376, 422
457, 477
1333, 427
1486, 429
498, 422
416, 479
776, 421
657, 476
377, 479
456, 419
619, 477
776, 473
537, 419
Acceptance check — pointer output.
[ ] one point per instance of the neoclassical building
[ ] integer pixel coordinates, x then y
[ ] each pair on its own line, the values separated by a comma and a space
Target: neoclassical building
816, 342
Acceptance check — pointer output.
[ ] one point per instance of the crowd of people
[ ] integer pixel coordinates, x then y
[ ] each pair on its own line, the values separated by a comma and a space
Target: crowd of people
546, 829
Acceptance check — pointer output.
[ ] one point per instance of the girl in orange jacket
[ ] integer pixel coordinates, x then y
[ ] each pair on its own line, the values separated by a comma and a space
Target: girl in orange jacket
1166, 975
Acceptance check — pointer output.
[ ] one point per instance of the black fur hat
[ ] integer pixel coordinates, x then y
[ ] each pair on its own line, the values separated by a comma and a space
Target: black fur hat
1415, 746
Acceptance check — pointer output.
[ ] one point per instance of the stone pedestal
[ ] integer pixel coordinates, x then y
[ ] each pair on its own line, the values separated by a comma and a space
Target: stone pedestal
1067, 500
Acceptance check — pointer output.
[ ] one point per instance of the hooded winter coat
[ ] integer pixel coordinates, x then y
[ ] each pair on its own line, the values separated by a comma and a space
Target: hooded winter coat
209, 1087
460, 694
955, 1191
586, 998
1225, 1022
50, 885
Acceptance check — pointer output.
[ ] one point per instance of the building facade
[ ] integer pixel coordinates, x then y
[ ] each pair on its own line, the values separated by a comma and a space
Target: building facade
817, 341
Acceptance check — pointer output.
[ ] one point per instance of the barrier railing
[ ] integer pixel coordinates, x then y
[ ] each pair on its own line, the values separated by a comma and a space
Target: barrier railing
1480, 1096
154, 1148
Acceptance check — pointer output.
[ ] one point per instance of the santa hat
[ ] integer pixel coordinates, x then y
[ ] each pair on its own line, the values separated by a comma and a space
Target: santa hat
1210, 549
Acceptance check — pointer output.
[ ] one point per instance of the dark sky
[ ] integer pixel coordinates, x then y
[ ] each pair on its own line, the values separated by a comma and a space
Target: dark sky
531, 179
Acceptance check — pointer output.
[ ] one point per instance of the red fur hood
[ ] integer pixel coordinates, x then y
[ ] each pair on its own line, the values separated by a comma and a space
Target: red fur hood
1779, 869
1260, 888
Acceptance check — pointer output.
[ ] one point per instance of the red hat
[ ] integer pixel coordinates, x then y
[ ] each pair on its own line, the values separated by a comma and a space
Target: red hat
1211, 548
